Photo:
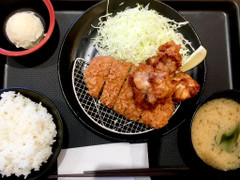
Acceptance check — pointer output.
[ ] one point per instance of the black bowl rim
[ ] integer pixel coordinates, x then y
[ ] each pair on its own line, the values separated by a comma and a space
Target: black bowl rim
48, 34
45, 171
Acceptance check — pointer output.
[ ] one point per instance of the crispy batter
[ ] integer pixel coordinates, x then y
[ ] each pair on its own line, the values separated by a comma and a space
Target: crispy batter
125, 104
158, 80
170, 56
125, 95
150, 85
133, 112
122, 100
96, 74
117, 75
158, 117
185, 87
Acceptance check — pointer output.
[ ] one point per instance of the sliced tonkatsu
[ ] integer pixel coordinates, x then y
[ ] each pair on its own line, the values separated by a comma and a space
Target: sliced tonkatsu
132, 111
116, 77
158, 117
124, 104
96, 74
123, 99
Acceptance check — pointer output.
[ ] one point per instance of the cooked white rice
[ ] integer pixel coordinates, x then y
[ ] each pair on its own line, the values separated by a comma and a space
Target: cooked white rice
27, 132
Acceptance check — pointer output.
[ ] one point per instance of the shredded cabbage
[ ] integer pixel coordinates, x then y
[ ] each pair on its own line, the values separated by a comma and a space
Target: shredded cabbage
135, 34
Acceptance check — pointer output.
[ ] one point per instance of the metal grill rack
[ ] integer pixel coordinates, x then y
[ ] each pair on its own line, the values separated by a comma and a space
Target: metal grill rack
101, 115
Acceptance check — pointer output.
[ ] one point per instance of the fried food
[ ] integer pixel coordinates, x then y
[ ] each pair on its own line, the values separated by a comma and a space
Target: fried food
125, 104
158, 117
170, 56
116, 77
168, 59
96, 74
152, 82
149, 85
133, 112
139, 80
123, 99
125, 95
185, 87
146, 93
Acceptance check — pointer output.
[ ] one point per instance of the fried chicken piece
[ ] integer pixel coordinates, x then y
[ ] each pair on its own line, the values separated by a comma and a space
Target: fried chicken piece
116, 77
150, 85
158, 117
96, 74
156, 63
161, 85
169, 54
139, 81
185, 87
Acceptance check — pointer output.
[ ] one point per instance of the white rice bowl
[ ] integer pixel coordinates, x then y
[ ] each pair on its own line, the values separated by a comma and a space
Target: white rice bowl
27, 132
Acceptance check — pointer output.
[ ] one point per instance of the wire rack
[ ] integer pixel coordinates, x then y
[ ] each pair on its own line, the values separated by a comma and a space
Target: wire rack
103, 116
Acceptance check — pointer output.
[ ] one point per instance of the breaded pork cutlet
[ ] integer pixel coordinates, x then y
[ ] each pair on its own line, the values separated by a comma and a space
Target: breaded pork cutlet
132, 111
125, 96
116, 77
123, 99
158, 117
96, 74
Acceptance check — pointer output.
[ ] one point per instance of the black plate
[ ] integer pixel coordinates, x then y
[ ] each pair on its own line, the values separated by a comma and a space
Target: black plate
77, 43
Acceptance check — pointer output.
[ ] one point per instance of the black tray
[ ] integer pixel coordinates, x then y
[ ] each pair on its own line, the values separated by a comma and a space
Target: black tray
217, 24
